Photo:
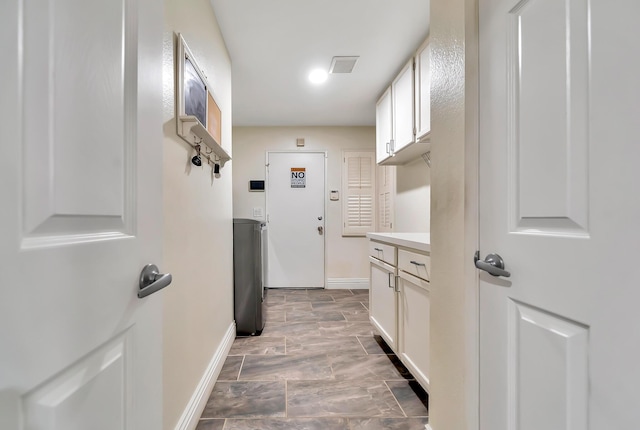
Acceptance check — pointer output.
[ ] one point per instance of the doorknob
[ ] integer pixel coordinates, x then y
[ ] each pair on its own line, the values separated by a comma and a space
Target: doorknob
493, 263
320, 229
151, 280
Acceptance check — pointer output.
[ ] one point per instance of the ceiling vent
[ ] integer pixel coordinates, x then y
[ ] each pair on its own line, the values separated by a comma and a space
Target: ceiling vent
343, 64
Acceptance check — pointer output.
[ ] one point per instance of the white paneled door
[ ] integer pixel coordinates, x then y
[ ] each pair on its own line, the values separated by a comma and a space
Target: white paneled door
296, 219
80, 180
559, 151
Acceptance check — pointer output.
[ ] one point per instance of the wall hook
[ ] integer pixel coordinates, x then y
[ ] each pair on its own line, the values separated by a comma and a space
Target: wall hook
196, 160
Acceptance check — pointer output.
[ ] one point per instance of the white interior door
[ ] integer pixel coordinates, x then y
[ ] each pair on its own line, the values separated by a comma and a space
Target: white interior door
296, 219
80, 179
559, 151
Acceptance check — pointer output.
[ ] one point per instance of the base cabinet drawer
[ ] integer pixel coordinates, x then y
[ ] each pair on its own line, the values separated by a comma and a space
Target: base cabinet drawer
415, 264
413, 313
382, 251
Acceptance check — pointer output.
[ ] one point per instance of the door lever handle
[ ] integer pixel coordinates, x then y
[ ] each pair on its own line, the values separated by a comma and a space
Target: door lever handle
151, 280
493, 264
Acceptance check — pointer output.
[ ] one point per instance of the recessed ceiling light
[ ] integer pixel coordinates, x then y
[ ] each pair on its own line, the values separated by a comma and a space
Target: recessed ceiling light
318, 76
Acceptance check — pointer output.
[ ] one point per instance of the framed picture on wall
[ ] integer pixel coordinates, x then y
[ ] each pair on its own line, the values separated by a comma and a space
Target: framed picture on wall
195, 92
194, 95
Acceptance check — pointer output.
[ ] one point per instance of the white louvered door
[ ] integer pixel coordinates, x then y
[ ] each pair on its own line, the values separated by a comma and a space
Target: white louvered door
358, 185
385, 196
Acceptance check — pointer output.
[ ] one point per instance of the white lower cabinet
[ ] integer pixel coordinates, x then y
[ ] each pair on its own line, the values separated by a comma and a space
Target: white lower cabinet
399, 304
383, 301
413, 315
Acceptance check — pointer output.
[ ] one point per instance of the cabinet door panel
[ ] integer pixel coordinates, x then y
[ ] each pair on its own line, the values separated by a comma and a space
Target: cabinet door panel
414, 312
402, 92
384, 126
423, 91
382, 306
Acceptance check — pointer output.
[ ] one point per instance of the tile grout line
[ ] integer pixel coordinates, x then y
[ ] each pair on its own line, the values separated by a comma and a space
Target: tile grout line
396, 399
241, 366
365, 349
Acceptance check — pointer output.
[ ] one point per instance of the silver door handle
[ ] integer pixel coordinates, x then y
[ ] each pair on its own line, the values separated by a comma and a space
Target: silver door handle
416, 263
151, 280
493, 264
320, 229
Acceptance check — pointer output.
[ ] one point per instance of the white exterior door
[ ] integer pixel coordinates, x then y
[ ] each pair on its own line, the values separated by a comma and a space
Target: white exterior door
80, 180
295, 216
559, 151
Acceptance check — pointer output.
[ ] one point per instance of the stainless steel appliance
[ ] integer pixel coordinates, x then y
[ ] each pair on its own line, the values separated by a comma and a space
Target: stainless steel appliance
249, 273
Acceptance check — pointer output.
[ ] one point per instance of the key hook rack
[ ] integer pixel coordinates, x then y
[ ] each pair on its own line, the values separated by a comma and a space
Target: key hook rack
199, 119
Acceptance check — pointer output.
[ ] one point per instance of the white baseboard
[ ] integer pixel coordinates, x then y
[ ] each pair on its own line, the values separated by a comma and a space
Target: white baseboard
347, 283
193, 411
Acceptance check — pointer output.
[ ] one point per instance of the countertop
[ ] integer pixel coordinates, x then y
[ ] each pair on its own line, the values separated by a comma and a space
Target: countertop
419, 241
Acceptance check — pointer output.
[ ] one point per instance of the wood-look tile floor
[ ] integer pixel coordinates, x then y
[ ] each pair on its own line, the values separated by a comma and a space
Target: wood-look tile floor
318, 365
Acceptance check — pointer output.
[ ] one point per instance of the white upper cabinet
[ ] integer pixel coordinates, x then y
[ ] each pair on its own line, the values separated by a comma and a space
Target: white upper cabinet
409, 112
423, 92
402, 93
384, 127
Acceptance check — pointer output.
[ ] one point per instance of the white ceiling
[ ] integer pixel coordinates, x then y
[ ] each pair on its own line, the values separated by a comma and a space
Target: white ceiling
274, 44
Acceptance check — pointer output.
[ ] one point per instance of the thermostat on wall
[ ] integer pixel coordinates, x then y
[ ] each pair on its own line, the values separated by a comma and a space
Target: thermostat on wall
255, 185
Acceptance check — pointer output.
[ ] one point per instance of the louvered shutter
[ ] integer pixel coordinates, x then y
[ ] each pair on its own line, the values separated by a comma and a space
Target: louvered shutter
385, 197
358, 191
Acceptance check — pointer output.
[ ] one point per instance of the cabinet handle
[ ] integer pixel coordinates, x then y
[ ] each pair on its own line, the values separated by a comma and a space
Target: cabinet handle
416, 263
377, 249
388, 146
394, 288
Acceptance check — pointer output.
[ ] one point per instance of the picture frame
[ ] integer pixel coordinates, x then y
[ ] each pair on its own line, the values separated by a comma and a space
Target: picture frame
194, 95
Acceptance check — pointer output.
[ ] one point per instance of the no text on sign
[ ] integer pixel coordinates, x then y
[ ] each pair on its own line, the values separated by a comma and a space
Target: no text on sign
298, 177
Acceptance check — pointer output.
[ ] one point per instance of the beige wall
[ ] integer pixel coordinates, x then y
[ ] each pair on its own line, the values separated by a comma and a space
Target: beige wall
198, 307
453, 399
413, 197
346, 256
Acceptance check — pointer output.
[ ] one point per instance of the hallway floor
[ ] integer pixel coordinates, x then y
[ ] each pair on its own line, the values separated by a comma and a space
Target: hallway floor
318, 365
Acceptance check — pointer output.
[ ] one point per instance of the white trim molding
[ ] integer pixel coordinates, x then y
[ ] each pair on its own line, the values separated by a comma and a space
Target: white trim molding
347, 283
428, 427
193, 411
